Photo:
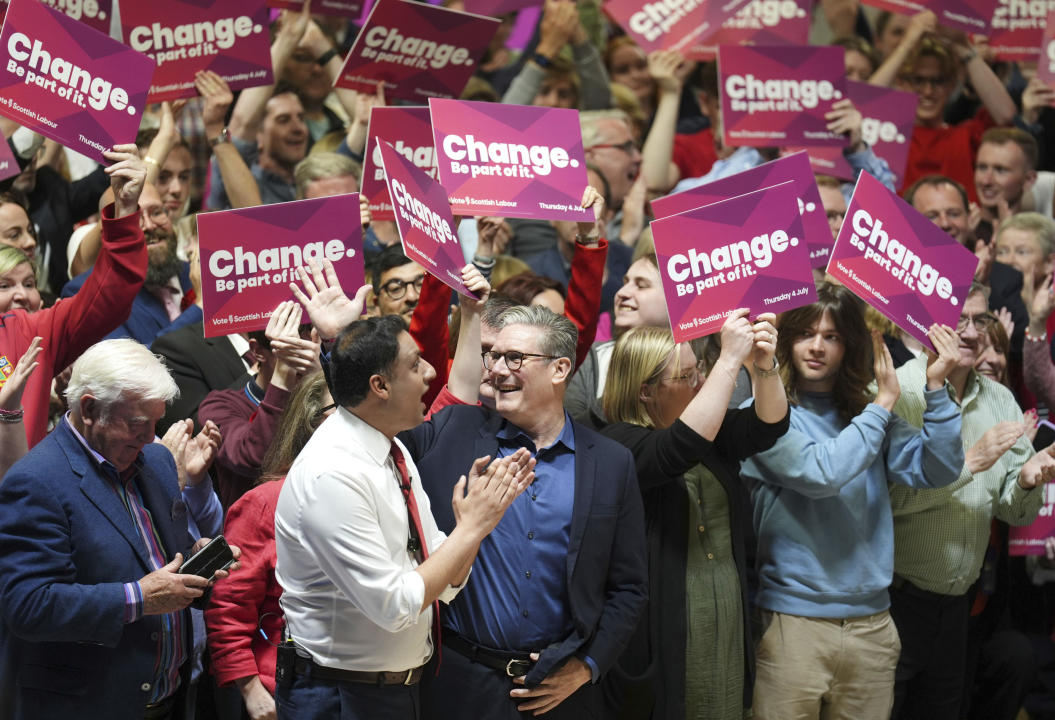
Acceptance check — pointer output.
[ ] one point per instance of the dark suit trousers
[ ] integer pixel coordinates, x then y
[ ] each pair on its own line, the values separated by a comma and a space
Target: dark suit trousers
314, 699
465, 690
928, 682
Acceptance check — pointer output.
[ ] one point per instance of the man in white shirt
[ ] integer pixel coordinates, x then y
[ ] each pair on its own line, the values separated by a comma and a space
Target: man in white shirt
360, 559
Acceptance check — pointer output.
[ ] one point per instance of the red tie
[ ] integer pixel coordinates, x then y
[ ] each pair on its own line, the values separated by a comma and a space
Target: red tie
421, 551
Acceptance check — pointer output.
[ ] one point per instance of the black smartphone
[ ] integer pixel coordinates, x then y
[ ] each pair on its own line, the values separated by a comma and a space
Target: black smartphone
1045, 435
206, 562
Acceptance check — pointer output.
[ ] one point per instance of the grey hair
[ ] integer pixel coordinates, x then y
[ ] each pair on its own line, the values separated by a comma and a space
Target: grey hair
1042, 227
323, 166
112, 369
588, 123
558, 337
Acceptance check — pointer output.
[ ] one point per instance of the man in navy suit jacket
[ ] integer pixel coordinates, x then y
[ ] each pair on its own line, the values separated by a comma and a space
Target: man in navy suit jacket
558, 586
93, 531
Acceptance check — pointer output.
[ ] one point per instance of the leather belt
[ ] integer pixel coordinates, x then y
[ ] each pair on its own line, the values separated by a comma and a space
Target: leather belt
306, 666
513, 664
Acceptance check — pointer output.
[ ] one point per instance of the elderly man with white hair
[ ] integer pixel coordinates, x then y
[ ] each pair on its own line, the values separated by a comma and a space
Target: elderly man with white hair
94, 531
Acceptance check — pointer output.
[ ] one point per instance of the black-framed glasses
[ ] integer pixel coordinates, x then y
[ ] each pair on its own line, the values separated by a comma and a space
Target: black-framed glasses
981, 322
628, 147
918, 82
396, 288
325, 409
514, 358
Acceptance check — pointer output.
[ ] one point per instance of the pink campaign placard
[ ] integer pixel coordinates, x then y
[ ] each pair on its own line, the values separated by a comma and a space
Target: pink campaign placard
778, 94
495, 8
672, 25
69, 82
760, 22
1018, 28
510, 160
423, 216
887, 120
794, 168
229, 37
899, 262
409, 130
249, 256
1046, 62
747, 251
345, 8
93, 13
418, 51
1029, 539
971, 16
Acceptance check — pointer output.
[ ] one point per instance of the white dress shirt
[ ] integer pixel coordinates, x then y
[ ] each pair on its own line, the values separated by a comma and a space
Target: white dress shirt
349, 590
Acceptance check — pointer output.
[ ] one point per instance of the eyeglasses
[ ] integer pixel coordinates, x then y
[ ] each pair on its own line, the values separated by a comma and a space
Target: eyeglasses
396, 288
325, 409
514, 359
628, 147
921, 81
692, 378
981, 322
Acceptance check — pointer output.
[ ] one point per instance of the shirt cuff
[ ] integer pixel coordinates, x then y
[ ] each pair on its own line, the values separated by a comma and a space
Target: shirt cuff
133, 602
594, 672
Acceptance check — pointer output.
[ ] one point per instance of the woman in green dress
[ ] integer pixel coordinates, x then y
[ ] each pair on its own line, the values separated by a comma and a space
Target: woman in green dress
692, 656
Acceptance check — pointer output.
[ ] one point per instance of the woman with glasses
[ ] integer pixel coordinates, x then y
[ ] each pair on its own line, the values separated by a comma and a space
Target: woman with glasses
691, 655
244, 619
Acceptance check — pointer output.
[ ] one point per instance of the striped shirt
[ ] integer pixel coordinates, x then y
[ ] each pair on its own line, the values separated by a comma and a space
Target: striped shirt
170, 653
940, 536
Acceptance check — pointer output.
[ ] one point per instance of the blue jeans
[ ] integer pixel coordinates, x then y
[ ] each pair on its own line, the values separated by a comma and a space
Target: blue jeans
315, 699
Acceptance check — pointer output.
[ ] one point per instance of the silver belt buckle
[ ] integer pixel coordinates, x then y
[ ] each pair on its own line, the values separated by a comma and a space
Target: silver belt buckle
518, 663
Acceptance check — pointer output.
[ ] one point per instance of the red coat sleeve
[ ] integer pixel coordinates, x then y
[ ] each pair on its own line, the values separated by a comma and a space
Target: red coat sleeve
74, 324
583, 305
428, 327
247, 601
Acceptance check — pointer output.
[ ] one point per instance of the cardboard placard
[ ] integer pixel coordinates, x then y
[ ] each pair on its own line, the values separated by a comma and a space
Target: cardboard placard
677, 25
250, 256
418, 51
423, 215
344, 8
795, 167
229, 37
1018, 28
747, 251
888, 119
760, 22
1046, 61
900, 262
69, 82
96, 14
777, 95
1029, 539
409, 130
510, 160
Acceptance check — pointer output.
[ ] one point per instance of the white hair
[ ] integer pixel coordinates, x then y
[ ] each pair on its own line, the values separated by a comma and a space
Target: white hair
113, 369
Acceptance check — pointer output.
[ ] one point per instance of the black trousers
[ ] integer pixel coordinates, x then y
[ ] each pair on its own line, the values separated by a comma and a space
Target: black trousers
929, 680
465, 690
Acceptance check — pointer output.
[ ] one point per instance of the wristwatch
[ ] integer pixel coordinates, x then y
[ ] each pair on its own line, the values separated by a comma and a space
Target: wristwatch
223, 137
770, 372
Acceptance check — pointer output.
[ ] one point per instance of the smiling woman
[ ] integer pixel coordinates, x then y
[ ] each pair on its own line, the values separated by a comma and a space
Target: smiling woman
16, 229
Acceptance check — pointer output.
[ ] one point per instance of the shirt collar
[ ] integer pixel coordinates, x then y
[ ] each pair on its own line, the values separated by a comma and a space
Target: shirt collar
509, 431
377, 446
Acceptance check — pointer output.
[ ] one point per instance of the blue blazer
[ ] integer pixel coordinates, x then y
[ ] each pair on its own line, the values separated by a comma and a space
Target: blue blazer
68, 546
606, 567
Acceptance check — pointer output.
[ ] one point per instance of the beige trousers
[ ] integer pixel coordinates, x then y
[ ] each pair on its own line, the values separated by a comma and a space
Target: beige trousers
822, 669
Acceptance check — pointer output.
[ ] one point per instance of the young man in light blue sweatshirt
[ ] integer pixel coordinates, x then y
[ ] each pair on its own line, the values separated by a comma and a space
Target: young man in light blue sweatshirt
822, 511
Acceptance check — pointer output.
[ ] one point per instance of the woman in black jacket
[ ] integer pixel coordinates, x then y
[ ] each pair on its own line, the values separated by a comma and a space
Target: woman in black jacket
692, 656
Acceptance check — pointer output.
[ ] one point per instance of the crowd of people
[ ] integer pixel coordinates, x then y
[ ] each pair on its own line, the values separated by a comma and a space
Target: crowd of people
532, 501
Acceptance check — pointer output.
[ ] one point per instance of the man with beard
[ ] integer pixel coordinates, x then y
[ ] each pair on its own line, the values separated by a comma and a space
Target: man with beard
157, 307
